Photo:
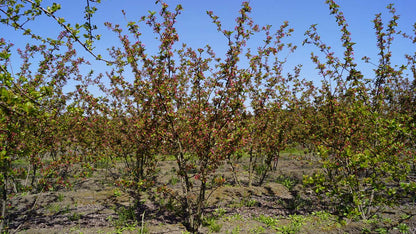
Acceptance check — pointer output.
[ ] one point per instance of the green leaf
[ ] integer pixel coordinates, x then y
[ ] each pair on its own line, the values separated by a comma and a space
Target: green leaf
28, 107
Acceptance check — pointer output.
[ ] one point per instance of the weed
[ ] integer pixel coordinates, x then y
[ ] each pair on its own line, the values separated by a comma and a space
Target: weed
381, 230
116, 192
387, 221
322, 215
296, 222
102, 163
125, 217
404, 216
244, 203
214, 226
75, 217
60, 197
403, 228
76, 229
324, 220
56, 208
173, 180
269, 221
234, 217
130, 228
250, 202
288, 182
365, 230
143, 229
235, 230
169, 157
211, 222
66, 209
257, 230
219, 212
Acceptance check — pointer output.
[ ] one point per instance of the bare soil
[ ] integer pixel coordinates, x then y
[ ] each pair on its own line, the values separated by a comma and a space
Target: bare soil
281, 205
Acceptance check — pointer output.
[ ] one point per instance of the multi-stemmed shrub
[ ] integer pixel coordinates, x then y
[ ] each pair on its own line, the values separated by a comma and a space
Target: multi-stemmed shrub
360, 137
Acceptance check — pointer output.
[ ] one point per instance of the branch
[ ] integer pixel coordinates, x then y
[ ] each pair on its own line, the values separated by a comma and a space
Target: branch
69, 30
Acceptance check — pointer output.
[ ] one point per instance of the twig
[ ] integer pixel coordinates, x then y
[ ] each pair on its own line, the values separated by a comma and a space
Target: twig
76, 38
142, 228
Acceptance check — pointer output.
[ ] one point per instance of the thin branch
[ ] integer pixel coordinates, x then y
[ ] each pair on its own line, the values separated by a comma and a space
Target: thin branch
74, 36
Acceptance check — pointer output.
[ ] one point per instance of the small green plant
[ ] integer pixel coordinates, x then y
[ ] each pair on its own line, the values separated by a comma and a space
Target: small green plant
60, 197
381, 230
75, 216
56, 208
269, 221
66, 210
116, 192
76, 229
250, 203
288, 182
373, 220
235, 230
214, 226
130, 228
257, 230
403, 228
244, 203
296, 222
211, 221
234, 217
387, 221
102, 163
323, 220
173, 180
365, 230
405, 216
219, 212
322, 215
126, 217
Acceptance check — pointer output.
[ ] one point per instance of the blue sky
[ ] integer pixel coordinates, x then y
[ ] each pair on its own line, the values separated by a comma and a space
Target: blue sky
196, 30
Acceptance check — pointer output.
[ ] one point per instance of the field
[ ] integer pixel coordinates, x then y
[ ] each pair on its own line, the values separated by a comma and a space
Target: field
176, 138
281, 205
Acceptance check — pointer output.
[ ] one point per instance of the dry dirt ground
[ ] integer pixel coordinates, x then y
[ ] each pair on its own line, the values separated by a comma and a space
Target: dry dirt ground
282, 205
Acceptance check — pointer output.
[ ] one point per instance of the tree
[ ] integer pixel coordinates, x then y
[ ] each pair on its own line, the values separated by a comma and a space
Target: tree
359, 135
32, 101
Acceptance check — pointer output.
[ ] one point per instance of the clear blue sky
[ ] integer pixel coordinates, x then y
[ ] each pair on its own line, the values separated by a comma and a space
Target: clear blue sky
195, 27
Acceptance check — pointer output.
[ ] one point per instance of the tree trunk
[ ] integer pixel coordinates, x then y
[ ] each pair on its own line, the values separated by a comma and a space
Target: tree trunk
3, 205
250, 169
267, 169
234, 171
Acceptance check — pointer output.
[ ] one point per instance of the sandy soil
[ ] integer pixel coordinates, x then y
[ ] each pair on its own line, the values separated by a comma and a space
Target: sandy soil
282, 205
